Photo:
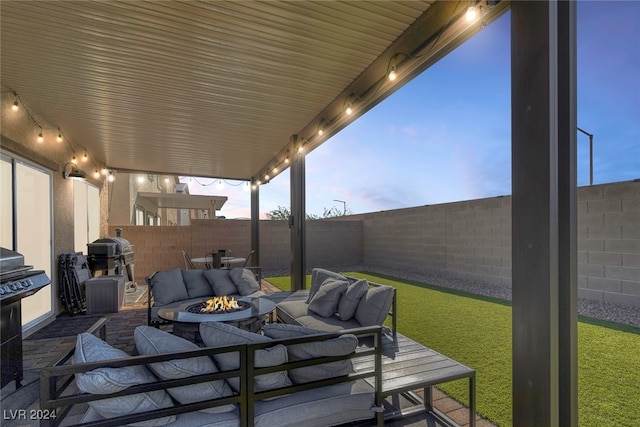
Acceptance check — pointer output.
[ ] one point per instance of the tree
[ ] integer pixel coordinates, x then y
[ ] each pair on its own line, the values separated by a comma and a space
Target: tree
282, 213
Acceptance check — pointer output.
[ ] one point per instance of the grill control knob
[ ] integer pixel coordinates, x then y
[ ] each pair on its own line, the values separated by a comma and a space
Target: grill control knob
13, 286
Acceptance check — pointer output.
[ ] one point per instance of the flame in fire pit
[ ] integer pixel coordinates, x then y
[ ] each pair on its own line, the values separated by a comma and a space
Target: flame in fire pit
221, 304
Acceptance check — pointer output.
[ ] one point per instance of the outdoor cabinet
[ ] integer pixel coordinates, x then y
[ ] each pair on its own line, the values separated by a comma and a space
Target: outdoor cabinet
104, 294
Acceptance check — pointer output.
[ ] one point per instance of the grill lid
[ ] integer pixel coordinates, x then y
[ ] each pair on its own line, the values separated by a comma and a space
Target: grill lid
12, 264
122, 245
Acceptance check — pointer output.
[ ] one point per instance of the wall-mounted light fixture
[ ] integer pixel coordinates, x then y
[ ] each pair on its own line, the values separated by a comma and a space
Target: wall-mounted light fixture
72, 172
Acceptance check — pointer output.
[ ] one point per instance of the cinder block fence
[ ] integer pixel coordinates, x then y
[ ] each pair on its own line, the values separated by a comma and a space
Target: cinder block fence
469, 240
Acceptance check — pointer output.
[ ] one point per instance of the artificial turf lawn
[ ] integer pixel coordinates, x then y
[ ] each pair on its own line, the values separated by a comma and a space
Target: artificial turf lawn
476, 331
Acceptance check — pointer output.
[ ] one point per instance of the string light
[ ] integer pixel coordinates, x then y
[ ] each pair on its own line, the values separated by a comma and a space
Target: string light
472, 12
59, 136
140, 179
104, 171
111, 178
392, 74
96, 174
321, 128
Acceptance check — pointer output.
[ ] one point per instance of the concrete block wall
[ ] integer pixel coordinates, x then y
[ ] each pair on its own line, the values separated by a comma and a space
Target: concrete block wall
609, 243
471, 240
468, 240
329, 243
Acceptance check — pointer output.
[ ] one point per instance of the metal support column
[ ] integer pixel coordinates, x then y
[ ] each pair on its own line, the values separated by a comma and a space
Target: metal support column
543, 106
255, 222
297, 223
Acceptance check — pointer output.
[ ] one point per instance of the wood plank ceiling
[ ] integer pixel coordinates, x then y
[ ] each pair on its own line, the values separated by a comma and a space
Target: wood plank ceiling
214, 88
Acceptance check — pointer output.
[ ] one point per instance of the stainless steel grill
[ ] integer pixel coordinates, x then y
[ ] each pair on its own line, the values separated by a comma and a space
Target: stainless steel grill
17, 281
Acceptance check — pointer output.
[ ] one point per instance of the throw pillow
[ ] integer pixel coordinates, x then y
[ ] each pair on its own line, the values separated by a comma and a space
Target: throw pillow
150, 340
326, 299
351, 298
216, 334
221, 282
167, 286
374, 305
342, 345
90, 348
318, 277
244, 280
197, 285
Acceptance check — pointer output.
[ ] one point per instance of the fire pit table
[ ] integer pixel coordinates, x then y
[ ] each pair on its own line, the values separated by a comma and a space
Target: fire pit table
186, 317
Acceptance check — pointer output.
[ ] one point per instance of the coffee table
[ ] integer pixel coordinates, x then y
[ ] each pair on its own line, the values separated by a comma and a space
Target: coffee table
187, 324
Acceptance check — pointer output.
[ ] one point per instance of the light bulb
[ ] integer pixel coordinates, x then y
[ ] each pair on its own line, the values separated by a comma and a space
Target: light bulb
392, 74
220, 184
111, 177
104, 171
140, 179
96, 174
266, 177
40, 137
349, 110
300, 149
59, 138
166, 180
14, 107
471, 13
73, 160
286, 160
85, 157
275, 170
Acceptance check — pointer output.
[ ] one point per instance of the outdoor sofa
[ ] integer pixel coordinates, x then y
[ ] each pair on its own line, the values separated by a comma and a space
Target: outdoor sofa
336, 302
173, 287
242, 379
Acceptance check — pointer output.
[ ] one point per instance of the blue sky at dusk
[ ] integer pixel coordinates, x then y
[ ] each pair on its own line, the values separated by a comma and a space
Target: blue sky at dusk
446, 135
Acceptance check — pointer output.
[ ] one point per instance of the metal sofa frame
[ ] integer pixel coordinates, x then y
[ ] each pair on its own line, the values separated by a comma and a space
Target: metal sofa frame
58, 398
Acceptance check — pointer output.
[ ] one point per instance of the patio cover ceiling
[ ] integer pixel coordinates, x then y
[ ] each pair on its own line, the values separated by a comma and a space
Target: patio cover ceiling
215, 88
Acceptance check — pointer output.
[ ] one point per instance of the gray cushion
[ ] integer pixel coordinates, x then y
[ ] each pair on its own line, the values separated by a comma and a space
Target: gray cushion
318, 277
221, 282
167, 286
216, 334
90, 348
197, 285
319, 407
351, 298
374, 306
244, 280
150, 340
325, 301
327, 324
342, 345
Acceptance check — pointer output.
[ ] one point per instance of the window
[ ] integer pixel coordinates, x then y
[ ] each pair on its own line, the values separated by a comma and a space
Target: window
139, 216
